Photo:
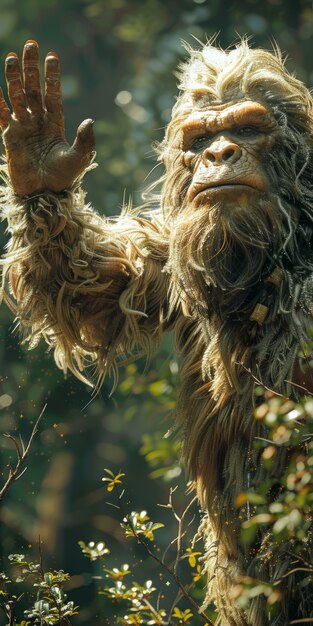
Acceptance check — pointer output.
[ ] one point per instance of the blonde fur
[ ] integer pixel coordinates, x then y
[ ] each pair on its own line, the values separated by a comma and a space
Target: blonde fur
99, 291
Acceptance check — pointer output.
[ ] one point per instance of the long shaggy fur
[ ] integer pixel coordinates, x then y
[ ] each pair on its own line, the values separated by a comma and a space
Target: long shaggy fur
100, 290
81, 282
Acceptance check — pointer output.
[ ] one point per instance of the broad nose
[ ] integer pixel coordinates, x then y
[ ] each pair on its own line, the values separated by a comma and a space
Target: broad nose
220, 152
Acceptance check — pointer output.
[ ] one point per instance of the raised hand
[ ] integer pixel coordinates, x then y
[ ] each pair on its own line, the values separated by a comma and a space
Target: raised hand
39, 156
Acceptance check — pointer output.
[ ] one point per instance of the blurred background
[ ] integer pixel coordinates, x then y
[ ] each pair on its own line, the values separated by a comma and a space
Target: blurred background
118, 63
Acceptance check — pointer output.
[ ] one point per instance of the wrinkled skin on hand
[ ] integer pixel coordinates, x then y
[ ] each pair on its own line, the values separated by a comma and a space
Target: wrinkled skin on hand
38, 154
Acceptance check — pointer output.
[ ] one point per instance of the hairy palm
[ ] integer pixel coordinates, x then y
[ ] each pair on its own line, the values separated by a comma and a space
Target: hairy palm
39, 157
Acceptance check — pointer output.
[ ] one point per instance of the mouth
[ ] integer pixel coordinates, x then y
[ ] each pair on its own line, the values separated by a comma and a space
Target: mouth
228, 186
232, 189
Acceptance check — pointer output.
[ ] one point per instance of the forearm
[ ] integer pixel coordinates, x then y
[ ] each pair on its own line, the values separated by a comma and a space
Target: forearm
92, 288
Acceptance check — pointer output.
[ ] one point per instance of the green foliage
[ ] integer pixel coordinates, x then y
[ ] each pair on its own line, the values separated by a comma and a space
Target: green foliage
107, 48
136, 524
283, 508
50, 605
155, 601
157, 389
162, 454
94, 550
283, 504
112, 479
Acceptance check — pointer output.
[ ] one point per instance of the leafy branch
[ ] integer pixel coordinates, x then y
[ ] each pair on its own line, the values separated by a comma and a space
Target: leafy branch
172, 571
50, 604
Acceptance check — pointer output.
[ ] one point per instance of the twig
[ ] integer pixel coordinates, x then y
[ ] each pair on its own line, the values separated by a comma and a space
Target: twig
257, 380
180, 521
298, 569
155, 613
8, 608
41, 559
22, 453
180, 530
177, 598
174, 576
300, 557
306, 620
290, 382
180, 535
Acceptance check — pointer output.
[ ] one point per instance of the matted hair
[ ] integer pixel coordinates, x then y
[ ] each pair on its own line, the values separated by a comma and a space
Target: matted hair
101, 290
218, 265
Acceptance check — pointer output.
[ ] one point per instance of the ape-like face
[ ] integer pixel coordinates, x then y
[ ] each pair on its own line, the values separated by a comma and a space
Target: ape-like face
237, 190
231, 221
227, 146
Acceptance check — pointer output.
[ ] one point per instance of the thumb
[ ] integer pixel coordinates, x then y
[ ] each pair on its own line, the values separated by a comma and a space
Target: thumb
85, 142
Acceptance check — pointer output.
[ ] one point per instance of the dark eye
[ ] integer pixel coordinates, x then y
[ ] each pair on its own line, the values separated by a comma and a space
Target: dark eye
247, 131
199, 142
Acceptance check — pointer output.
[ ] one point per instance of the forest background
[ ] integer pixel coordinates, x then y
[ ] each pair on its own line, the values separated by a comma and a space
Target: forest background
118, 60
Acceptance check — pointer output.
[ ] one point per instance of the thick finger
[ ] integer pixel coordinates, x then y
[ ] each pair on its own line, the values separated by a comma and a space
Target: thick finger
31, 74
53, 96
15, 86
5, 113
85, 140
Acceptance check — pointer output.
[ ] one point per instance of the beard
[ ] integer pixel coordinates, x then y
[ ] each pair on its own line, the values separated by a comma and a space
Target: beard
220, 254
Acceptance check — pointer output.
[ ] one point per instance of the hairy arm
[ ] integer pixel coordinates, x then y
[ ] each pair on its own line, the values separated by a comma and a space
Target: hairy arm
93, 288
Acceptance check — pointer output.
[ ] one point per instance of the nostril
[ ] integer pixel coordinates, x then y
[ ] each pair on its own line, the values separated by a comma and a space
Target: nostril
219, 154
228, 154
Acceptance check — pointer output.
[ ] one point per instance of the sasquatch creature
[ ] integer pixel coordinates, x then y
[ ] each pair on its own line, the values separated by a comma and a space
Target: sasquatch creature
222, 256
